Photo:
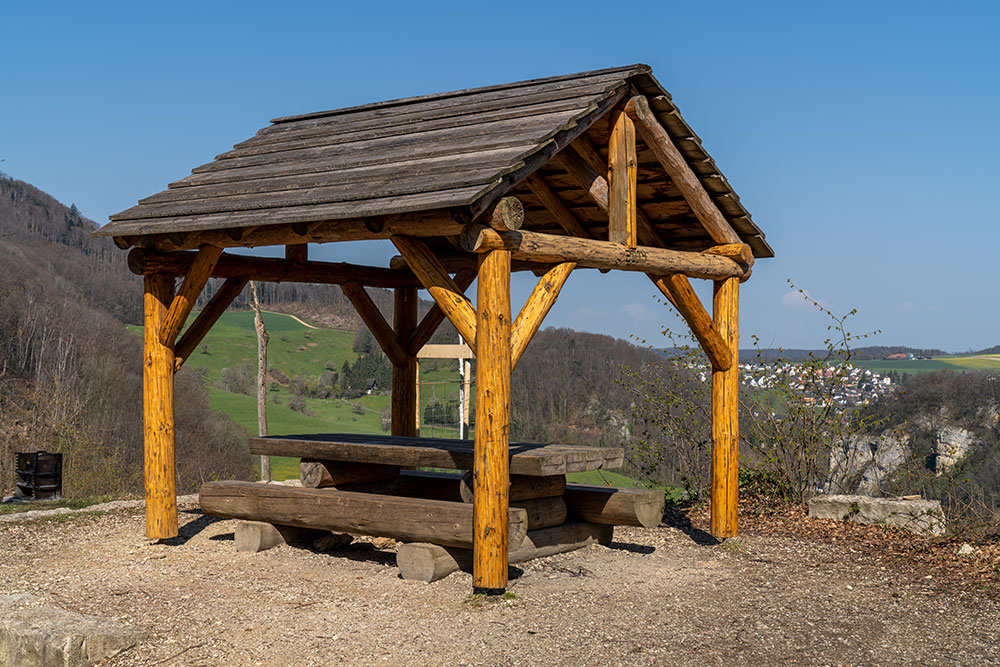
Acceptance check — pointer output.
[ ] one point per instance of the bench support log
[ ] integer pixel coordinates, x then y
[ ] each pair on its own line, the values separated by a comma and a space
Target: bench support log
317, 474
522, 487
430, 562
615, 506
256, 536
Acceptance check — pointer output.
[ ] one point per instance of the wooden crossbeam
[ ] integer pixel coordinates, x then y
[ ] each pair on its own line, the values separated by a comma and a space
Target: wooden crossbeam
207, 318
452, 300
622, 174
435, 316
738, 252
372, 317
680, 293
599, 254
183, 303
659, 142
533, 313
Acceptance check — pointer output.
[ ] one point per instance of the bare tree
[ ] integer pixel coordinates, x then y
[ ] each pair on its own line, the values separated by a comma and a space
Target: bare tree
258, 323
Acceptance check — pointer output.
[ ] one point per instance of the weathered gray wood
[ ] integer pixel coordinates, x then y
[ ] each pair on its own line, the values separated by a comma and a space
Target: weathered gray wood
525, 458
614, 505
430, 562
543, 512
315, 474
523, 487
410, 519
255, 536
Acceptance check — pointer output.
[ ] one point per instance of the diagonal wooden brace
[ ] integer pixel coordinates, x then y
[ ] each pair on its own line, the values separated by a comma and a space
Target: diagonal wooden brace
435, 316
679, 292
536, 308
428, 270
372, 317
207, 318
194, 282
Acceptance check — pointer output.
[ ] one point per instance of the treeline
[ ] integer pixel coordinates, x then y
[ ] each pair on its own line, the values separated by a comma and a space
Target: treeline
70, 372
869, 352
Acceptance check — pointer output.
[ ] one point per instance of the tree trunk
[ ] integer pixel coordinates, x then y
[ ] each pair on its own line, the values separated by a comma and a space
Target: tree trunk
262, 337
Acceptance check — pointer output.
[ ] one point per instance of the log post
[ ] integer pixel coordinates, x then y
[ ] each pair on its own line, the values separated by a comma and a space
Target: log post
158, 411
490, 462
725, 413
404, 371
622, 170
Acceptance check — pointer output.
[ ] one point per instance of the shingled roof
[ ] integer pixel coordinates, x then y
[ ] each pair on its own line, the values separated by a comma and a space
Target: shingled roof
460, 151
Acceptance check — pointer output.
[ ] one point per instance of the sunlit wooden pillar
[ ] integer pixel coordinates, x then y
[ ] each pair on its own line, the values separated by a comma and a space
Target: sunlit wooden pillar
158, 411
404, 376
491, 480
725, 413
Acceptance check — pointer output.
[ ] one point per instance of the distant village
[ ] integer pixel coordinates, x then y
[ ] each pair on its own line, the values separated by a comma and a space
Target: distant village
844, 384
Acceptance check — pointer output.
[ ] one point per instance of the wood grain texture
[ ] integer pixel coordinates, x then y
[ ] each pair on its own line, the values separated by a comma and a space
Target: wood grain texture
297, 252
431, 562
194, 282
318, 474
490, 471
533, 313
725, 414
158, 412
658, 140
448, 296
435, 316
372, 317
615, 506
622, 171
507, 213
599, 254
409, 519
678, 290
257, 536
522, 487
405, 374
207, 318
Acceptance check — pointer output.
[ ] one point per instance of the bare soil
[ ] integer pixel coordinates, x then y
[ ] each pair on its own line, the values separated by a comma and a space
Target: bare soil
823, 595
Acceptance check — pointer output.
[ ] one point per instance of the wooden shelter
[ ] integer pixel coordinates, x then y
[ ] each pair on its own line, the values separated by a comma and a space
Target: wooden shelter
589, 170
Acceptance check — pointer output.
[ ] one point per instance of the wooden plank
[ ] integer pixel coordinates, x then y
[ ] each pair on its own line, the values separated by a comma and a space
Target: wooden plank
533, 313
525, 458
158, 412
431, 562
411, 519
622, 203
448, 296
446, 351
680, 293
372, 317
269, 269
490, 470
435, 316
599, 254
207, 318
658, 140
194, 282
725, 414
615, 506
405, 400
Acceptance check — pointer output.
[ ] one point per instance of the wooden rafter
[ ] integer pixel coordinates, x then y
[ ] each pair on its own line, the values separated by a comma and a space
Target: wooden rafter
452, 300
622, 173
680, 293
533, 313
435, 316
551, 201
659, 142
183, 303
207, 318
372, 317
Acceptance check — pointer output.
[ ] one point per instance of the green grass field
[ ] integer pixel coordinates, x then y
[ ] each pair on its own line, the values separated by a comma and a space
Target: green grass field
952, 363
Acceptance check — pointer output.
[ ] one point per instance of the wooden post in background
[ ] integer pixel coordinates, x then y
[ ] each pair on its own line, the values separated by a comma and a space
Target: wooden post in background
404, 376
158, 411
725, 413
464, 388
491, 480
262, 338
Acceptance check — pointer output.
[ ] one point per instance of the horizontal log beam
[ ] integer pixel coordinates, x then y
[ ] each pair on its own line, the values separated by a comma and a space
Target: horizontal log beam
738, 252
318, 474
194, 282
599, 254
207, 318
372, 317
679, 292
145, 262
458, 262
659, 142
408, 519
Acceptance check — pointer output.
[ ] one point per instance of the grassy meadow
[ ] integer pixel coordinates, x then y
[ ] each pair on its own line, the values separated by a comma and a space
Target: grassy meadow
985, 362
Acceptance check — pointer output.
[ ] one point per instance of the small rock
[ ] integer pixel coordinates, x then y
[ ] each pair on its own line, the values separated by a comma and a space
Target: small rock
966, 550
384, 542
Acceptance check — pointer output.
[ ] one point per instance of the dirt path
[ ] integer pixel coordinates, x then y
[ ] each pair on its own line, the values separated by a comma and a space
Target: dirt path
654, 597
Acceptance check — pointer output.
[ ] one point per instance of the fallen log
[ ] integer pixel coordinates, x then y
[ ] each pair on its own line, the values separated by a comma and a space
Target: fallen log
430, 562
522, 487
615, 506
407, 519
317, 474
255, 536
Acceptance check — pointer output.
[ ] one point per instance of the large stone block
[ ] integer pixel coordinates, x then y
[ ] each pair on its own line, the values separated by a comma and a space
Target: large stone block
33, 634
923, 517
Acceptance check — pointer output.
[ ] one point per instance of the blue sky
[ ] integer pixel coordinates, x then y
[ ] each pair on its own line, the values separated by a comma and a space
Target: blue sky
862, 136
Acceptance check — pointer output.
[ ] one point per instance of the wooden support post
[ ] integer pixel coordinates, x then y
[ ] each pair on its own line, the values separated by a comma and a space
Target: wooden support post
533, 313
725, 413
678, 290
448, 296
220, 301
406, 373
491, 480
622, 171
297, 252
182, 305
158, 411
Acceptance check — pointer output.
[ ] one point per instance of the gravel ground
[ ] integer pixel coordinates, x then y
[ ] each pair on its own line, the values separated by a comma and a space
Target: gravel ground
657, 596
